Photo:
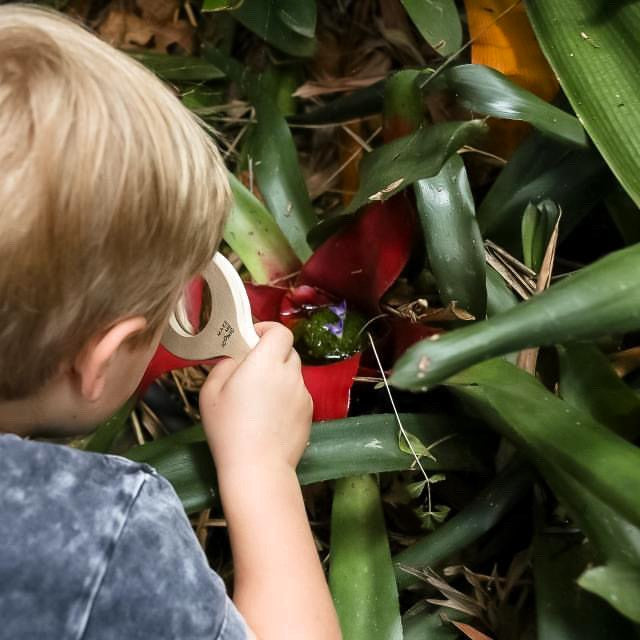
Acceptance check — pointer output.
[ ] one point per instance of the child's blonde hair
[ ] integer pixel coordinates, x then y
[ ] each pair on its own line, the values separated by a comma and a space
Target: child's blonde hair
111, 194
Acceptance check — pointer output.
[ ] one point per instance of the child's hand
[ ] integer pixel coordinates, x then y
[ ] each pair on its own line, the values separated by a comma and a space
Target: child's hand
258, 411
257, 416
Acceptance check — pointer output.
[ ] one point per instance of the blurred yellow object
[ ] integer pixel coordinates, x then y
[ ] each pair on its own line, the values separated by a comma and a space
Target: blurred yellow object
504, 40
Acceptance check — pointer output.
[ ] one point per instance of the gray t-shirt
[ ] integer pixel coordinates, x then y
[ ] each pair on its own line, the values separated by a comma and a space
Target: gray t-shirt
98, 547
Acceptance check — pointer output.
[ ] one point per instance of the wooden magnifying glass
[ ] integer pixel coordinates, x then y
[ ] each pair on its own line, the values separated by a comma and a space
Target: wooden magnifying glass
229, 330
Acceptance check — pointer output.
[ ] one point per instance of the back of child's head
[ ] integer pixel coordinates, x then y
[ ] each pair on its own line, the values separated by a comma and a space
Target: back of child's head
111, 194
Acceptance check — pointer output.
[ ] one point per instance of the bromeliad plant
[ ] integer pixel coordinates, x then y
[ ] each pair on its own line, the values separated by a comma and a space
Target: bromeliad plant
476, 183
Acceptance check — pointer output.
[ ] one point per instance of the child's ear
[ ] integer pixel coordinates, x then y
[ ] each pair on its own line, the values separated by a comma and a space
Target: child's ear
92, 363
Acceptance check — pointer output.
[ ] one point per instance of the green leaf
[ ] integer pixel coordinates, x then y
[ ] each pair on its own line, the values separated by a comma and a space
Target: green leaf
368, 444
431, 519
105, 434
175, 68
415, 489
564, 611
220, 5
429, 625
203, 100
541, 169
239, 73
330, 224
454, 245
338, 448
485, 90
281, 84
285, 24
577, 457
357, 104
477, 517
183, 458
619, 584
625, 214
591, 470
599, 299
255, 236
588, 382
538, 223
615, 539
554, 434
403, 104
416, 444
361, 575
592, 48
397, 164
438, 21
300, 17
499, 295
277, 170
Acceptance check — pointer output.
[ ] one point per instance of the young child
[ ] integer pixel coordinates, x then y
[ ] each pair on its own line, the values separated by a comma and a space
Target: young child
111, 198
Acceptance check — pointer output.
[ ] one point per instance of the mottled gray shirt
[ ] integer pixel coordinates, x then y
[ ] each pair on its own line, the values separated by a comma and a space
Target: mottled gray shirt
98, 547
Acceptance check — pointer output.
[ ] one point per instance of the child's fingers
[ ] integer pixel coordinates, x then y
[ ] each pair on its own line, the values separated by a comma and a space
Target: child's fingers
218, 376
294, 360
276, 341
262, 327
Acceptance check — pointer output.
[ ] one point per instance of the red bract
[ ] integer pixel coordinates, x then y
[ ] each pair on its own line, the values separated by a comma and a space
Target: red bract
362, 260
193, 296
328, 384
358, 264
285, 304
164, 361
330, 387
406, 333
265, 301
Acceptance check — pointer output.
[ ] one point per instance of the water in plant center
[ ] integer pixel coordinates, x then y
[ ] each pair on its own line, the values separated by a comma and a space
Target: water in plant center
329, 333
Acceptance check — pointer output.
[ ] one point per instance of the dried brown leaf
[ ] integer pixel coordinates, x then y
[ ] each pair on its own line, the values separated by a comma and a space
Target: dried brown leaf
327, 59
454, 599
126, 30
546, 269
358, 67
396, 29
179, 33
624, 362
469, 631
319, 181
403, 45
158, 11
517, 568
323, 86
456, 605
516, 274
380, 195
420, 311
528, 358
122, 29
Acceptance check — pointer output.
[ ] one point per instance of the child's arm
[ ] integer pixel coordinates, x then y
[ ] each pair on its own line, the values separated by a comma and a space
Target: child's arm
257, 417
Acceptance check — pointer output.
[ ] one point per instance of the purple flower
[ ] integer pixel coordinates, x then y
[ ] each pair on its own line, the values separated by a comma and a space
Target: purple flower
337, 328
